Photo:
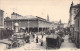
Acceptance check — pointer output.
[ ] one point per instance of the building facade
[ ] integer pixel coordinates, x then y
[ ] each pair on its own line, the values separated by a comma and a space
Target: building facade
75, 27
30, 23
1, 19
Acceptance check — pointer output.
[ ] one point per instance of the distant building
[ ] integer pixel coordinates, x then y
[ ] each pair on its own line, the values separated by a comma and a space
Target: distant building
30, 23
16, 16
57, 25
60, 25
1, 19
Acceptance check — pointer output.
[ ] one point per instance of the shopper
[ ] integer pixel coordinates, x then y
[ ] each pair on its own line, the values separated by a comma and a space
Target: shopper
37, 39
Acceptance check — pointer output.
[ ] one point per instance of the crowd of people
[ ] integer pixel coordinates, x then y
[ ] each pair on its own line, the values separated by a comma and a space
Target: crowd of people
38, 38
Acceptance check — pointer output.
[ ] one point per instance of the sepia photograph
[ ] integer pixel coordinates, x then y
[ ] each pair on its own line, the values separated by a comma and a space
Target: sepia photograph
39, 25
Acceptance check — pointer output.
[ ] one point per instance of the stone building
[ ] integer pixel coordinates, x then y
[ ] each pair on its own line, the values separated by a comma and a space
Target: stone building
75, 27
1, 19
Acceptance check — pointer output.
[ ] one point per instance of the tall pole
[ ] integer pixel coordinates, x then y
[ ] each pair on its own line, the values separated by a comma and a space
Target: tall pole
38, 26
42, 29
12, 25
28, 25
42, 22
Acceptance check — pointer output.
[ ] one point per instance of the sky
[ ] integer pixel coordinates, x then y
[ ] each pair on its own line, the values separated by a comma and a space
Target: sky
56, 9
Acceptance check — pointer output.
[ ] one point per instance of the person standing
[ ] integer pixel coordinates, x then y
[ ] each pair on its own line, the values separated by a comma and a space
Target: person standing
37, 39
33, 37
42, 35
42, 41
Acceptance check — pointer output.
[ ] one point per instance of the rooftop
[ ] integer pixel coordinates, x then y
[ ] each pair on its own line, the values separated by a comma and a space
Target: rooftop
77, 6
29, 17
